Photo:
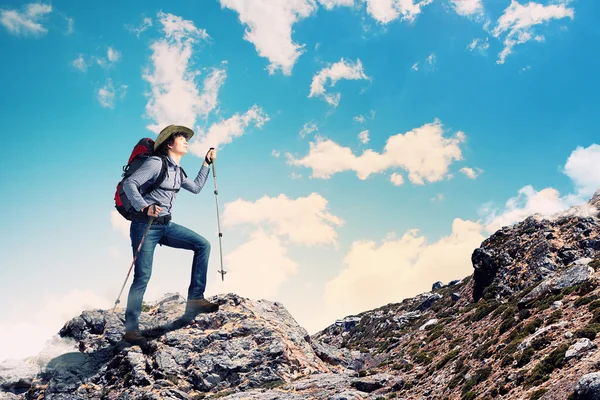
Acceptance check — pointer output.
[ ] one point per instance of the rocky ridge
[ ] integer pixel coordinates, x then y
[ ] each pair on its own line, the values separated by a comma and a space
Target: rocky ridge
523, 326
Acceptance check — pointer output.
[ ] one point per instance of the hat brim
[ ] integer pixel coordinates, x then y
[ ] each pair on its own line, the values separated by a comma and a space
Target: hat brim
171, 130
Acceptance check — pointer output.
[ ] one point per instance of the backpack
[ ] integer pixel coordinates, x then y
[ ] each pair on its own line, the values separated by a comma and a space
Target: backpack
143, 150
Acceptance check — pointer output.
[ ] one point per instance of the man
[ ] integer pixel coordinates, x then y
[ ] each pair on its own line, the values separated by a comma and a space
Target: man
172, 145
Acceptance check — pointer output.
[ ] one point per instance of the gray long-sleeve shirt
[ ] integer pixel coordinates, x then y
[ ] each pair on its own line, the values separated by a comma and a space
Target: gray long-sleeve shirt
141, 179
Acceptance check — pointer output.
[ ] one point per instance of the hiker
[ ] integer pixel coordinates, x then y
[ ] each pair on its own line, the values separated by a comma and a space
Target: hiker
171, 145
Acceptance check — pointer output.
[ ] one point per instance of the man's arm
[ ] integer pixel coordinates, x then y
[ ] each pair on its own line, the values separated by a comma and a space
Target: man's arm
148, 171
196, 185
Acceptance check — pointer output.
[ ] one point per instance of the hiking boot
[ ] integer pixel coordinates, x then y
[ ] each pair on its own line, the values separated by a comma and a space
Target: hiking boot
195, 307
135, 337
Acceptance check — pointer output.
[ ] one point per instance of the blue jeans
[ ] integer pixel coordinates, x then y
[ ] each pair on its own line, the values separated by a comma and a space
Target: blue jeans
171, 235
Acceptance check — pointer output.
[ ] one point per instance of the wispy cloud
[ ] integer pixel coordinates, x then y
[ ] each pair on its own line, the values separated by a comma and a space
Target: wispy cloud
429, 64
364, 137
70, 25
518, 22
113, 55
26, 22
308, 128
107, 95
341, 70
479, 44
223, 132
174, 96
269, 27
80, 63
361, 119
146, 23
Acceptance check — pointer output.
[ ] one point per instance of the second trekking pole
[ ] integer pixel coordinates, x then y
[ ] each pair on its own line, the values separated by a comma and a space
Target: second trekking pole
222, 271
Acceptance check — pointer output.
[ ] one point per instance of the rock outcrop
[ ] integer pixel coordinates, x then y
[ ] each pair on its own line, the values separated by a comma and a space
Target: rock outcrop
523, 326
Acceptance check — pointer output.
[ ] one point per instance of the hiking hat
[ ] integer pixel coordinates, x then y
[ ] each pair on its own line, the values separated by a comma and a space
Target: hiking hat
170, 130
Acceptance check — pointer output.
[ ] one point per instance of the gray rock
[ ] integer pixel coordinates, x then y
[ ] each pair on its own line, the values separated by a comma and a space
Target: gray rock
557, 304
244, 346
427, 300
578, 349
437, 285
588, 387
348, 395
16, 375
566, 278
455, 297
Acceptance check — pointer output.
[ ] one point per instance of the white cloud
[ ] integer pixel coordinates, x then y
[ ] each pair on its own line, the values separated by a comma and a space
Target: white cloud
518, 22
269, 27
224, 131
275, 153
528, 202
423, 152
582, 168
26, 338
119, 223
335, 72
364, 137
308, 128
360, 119
27, 22
467, 7
396, 179
330, 4
386, 11
80, 63
438, 197
304, 221
375, 275
113, 55
174, 97
479, 44
429, 64
295, 175
70, 25
106, 95
470, 172
259, 267
146, 23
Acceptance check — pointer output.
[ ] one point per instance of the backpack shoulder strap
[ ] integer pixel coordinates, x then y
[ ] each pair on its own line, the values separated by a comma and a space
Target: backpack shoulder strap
161, 177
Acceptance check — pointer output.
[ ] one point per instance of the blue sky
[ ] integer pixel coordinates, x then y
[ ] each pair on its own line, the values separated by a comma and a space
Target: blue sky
365, 148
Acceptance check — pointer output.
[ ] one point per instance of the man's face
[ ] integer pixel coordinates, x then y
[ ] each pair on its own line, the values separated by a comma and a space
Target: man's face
180, 145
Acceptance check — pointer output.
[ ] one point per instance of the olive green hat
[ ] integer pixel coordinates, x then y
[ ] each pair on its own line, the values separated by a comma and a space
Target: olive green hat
170, 130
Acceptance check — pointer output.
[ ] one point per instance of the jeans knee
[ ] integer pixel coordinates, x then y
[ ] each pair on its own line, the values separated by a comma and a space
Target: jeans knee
202, 244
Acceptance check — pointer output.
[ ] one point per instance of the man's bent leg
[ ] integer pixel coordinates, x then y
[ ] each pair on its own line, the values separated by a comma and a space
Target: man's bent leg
183, 238
143, 269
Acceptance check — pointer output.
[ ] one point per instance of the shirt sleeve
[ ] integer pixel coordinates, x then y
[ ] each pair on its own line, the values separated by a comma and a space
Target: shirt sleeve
147, 172
196, 185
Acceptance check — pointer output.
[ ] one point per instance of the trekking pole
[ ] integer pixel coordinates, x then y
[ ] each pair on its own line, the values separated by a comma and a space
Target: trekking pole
222, 271
134, 258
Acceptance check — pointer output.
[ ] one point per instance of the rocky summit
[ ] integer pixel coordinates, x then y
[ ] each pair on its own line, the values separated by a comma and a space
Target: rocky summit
524, 325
